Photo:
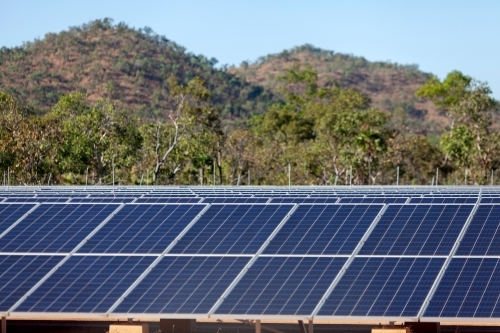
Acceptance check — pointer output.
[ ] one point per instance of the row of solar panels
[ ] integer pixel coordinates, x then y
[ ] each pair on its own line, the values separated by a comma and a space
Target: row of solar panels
381, 200
323, 229
251, 260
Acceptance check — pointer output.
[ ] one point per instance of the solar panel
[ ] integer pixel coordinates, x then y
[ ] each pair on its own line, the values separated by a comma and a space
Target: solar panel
18, 274
282, 286
444, 200
323, 229
469, 289
304, 200
490, 200
183, 285
232, 229
142, 229
417, 230
483, 234
392, 287
9, 214
55, 227
102, 200
87, 284
235, 200
380, 200
37, 199
167, 200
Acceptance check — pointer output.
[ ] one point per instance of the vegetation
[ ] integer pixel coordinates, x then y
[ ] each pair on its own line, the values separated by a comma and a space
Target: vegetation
328, 135
77, 105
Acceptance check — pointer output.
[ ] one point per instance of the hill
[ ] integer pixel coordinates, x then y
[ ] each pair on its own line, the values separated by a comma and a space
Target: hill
132, 66
389, 86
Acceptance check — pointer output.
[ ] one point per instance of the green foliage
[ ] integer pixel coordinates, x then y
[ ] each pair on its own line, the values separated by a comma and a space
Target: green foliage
322, 131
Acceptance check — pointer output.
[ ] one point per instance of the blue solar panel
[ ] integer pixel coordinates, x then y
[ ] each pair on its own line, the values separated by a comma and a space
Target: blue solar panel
142, 229
470, 288
323, 229
417, 230
167, 200
37, 199
483, 234
11, 213
55, 228
18, 274
444, 200
282, 286
86, 284
380, 200
383, 287
490, 200
235, 200
232, 229
183, 285
102, 200
305, 200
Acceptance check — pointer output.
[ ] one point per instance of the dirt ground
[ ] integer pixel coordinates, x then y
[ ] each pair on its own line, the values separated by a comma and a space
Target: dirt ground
50, 326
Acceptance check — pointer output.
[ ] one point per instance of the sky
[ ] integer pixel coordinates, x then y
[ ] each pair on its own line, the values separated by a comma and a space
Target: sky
439, 36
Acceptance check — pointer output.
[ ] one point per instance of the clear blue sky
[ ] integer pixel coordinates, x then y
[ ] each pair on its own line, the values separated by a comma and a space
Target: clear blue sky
439, 36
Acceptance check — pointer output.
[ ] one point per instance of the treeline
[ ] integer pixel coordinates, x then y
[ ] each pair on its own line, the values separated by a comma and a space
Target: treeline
328, 135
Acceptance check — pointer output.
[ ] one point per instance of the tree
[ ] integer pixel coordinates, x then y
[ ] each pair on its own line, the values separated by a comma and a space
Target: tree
191, 114
471, 141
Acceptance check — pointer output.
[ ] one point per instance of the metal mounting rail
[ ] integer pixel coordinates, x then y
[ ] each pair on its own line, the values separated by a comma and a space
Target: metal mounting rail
157, 260
448, 260
349, 261
252, 261
66, 258
19, 220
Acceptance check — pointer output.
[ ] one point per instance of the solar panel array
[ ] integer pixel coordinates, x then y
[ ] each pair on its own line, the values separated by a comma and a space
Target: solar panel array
346, 253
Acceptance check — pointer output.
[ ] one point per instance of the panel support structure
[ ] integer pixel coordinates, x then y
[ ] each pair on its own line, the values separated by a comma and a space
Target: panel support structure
310, 326
4, 325
257, 327
448, 260
252, 261
348, 262
302, 326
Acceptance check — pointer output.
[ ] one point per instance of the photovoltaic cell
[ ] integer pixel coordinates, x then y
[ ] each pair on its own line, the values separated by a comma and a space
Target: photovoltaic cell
142, 229
483, 234
183, 285
282, 286
18, 274
86, 284
383, 287
11, 213
55, 227
417, 230
232, 229
323, 229
470, 288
